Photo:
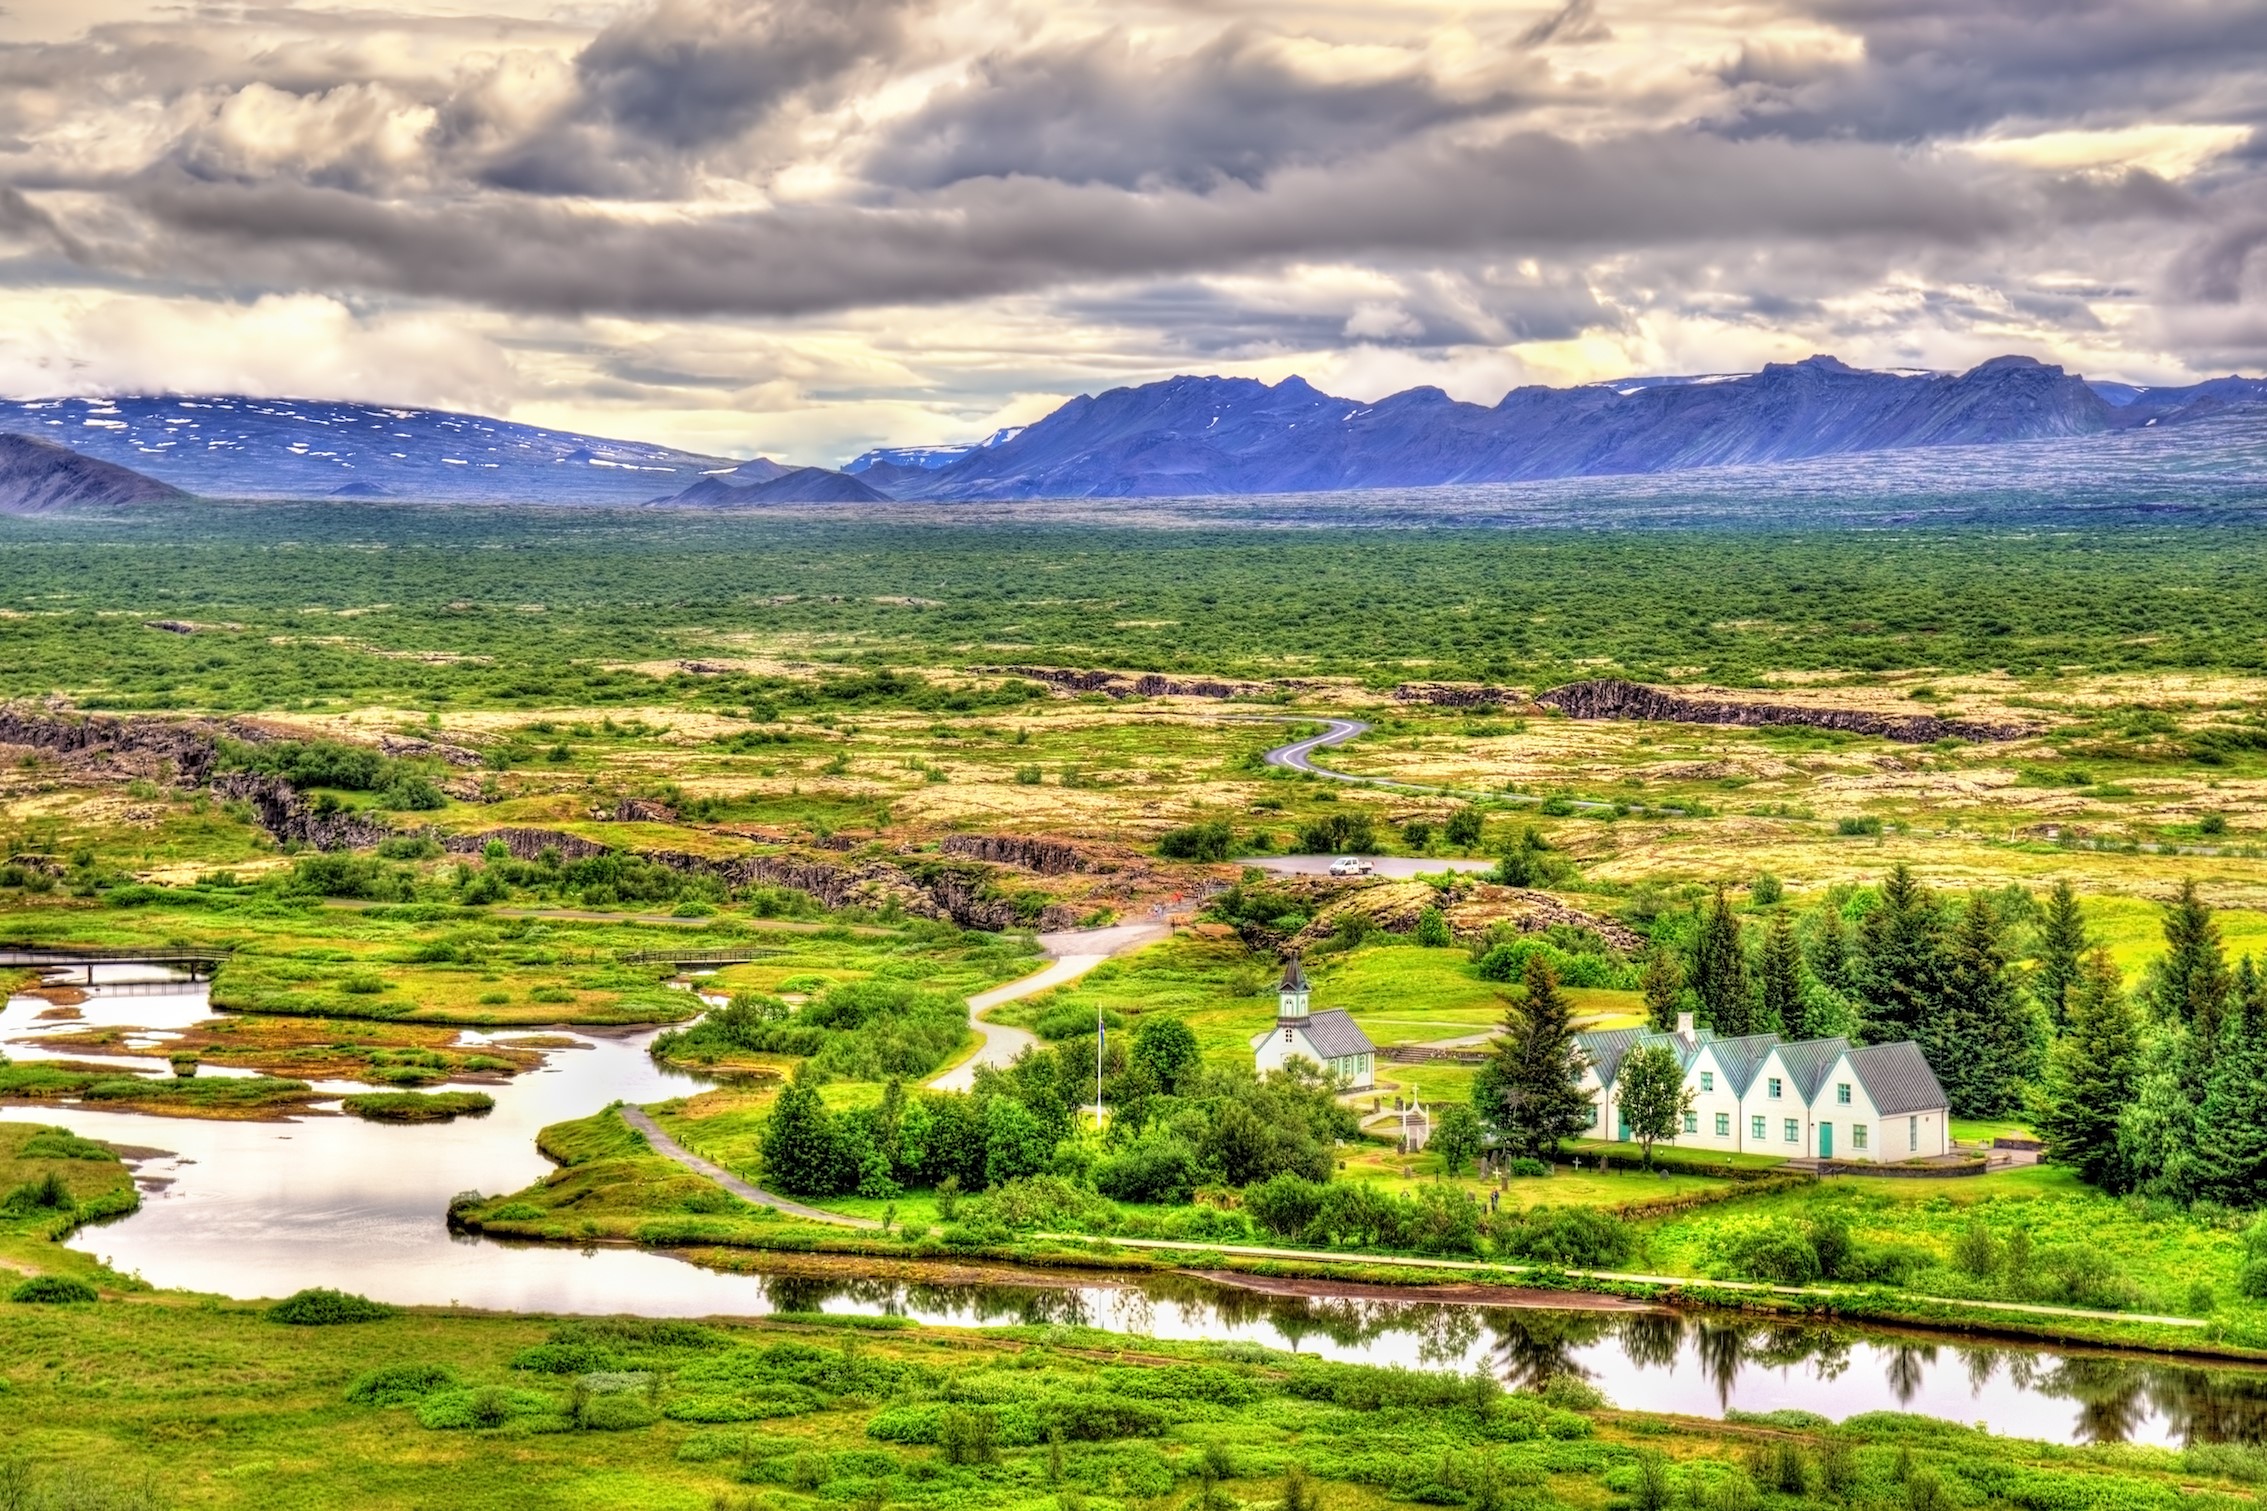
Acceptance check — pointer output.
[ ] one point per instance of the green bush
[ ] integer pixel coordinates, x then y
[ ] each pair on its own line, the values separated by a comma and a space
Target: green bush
322, 1307
53, 1290
1578, 1237
488, 1406
400, 1384
1211, 840
1340, 834
1071, 1021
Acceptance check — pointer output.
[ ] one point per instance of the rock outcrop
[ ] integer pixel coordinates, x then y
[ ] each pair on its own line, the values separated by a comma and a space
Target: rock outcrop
1140, 684
290, 817
1048, 857
1610, 698
1457, 695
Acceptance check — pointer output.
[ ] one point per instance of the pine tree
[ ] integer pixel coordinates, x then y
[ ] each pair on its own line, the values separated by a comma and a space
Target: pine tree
1719, 971
2191, 986
1898, 967
2247, 999
1530, 1092
2156, 1134
1830, 948
1663, 987
2062, 954
1781, 1006
1984, 1039
2093, 1072
2231, 1125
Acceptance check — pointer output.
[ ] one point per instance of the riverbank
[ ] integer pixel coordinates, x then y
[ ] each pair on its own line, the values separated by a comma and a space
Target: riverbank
614, 1186
432, 1406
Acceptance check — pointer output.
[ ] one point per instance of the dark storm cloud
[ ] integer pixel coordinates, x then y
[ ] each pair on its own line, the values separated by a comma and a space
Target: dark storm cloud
691, 73
1575, 21
1099, 112
1527, 194
680, 78
1936, 69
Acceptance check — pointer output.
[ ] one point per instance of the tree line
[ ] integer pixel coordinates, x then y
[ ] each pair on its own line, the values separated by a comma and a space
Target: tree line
2160, 1089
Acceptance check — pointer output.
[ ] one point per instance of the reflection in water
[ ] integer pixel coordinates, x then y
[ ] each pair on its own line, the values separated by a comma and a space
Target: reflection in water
262, 1209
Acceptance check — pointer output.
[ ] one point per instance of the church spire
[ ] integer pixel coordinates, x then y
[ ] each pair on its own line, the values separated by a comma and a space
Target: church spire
1291, 996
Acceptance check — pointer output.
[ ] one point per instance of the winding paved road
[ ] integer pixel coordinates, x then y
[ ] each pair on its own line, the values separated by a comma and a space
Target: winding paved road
1299, 756
1074, 953
669, 1148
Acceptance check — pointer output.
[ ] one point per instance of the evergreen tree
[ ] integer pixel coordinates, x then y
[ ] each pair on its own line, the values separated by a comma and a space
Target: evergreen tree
2191, 985
2093, 1072
1719, 971
2062, 954
803, 1154
1830, 948
1529, 1092
2247, 999
1663, 987
1984, 1039
1780, 1003
2156, 1135
2231, 1125
1898, 967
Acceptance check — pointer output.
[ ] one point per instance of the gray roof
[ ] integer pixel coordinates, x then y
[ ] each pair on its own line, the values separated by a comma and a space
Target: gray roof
1742, 1057
1603, 1049
1897, 1078
1294, 976
1335, 1036
1808, 1061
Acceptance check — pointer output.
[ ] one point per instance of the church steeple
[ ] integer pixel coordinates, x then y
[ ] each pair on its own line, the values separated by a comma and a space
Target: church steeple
1291, 996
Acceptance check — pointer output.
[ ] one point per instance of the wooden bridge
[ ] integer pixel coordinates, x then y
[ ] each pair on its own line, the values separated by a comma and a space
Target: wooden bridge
745, 955
197, 962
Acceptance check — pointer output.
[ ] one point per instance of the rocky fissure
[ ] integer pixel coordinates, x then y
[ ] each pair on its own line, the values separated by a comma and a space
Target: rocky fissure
1611, 698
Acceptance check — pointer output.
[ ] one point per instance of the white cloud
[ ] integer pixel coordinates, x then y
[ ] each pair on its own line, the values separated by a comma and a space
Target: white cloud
304, 345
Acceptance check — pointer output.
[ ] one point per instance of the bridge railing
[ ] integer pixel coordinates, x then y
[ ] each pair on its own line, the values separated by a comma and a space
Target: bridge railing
106, 954
696, 957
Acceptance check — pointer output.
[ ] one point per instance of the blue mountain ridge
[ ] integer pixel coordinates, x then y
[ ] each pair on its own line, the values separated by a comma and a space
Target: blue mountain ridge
1197, 437
1191, 437
229, 446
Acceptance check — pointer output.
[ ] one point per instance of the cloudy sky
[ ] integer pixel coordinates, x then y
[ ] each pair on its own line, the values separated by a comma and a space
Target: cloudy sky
803, 227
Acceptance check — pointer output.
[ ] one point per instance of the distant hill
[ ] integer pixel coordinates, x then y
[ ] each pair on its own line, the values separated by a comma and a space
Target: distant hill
39, 477
798, 485
1194, 436
232, 447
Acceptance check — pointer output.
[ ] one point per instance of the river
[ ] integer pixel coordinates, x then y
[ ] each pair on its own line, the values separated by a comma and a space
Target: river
253, 1209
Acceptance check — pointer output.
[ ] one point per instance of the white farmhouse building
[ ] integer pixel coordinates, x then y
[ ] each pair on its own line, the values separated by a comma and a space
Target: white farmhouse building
1329, 1039
1816, 1098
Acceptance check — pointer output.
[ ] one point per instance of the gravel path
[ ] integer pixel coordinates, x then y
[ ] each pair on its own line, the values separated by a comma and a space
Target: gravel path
1074, 952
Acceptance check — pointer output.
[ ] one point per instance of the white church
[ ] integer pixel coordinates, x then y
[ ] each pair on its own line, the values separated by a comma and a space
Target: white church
1329, 1039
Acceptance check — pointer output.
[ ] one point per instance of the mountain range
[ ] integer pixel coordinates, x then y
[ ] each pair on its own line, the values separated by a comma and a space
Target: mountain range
1195, 437
1189, 437
230, 446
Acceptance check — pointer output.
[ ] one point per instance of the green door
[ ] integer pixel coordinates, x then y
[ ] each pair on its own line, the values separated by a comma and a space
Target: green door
1826, 1141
